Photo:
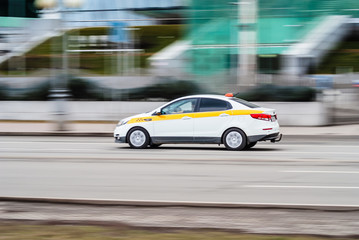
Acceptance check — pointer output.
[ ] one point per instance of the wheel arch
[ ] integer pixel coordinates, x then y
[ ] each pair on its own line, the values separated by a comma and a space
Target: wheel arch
233, 128
136, 127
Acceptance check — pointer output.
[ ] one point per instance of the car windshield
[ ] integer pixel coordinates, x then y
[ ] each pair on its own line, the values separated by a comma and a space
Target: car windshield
245, 103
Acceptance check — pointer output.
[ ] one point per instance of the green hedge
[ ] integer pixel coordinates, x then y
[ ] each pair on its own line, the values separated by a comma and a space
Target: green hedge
276, 93
3, 92
166, 90
81, 89
84, 90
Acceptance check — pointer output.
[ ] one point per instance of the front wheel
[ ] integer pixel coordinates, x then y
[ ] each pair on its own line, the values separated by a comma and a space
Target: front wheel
234, 139
138, 138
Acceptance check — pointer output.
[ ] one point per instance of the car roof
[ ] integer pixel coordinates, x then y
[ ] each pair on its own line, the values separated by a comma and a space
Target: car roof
222, 97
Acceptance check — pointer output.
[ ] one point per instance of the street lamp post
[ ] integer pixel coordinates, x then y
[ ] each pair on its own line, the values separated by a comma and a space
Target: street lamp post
59, 92
247, 39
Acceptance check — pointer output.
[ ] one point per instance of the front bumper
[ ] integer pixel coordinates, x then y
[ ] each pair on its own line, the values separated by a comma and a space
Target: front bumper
274, 137
119, 139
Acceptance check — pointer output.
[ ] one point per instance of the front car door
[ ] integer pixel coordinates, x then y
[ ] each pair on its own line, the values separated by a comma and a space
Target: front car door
175, 123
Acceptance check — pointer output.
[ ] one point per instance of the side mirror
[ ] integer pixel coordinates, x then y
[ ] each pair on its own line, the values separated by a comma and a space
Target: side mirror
157, 113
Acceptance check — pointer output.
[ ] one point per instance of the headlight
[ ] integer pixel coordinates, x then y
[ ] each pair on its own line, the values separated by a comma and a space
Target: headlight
122, 122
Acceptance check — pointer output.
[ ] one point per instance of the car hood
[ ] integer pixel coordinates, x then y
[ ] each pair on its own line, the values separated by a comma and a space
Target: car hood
137, 116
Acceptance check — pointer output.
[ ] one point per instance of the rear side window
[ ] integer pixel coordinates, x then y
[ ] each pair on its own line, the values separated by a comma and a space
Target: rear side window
210, 104
245, 103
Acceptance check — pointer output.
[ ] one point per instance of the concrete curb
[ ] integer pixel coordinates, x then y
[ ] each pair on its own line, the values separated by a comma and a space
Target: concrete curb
152, 203
65, 134
110, 135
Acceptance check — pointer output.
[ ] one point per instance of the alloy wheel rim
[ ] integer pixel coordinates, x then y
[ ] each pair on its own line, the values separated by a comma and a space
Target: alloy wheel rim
234, 139
137, 138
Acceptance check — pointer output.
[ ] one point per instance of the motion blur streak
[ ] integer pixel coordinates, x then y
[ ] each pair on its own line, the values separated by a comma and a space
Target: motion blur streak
70, 70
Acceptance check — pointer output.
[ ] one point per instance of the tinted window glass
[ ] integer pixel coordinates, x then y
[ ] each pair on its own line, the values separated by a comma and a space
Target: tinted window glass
181, 106
209, 104
245, 103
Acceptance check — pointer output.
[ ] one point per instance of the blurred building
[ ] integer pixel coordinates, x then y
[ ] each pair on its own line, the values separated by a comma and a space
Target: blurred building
100, 12
267, 37
226, 42
23, 26
21, 29
18, 8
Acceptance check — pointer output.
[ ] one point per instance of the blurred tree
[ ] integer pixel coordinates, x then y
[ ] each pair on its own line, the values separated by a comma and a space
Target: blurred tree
274, 93
81, 89
3, 93
18, 8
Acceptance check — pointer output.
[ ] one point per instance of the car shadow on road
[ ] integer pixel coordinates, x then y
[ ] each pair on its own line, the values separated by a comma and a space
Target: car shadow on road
255, 149
261, 149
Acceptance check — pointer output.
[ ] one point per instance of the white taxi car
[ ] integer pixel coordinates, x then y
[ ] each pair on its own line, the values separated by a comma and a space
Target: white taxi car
227, 120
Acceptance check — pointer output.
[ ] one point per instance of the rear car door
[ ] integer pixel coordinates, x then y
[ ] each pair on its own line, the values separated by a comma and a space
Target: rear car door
212, 118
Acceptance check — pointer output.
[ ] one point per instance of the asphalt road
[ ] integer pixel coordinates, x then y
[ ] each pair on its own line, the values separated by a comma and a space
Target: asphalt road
294, 172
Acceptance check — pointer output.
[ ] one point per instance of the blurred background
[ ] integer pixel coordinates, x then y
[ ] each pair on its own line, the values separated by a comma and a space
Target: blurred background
76, 67
59, 56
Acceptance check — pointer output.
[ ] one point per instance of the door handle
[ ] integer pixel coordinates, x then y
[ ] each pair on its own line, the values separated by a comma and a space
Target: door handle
224, 115
186, 118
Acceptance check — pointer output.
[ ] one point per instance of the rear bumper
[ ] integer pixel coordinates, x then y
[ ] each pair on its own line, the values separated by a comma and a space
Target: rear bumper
274, 137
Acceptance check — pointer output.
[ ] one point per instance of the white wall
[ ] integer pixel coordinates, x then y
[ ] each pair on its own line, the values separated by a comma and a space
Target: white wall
299, 113
289, 113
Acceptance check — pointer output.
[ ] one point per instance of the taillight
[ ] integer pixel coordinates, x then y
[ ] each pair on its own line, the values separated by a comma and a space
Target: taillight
262, 116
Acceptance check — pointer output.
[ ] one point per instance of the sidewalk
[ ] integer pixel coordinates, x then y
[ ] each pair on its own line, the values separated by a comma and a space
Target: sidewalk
106, 129
248, 220
50, 128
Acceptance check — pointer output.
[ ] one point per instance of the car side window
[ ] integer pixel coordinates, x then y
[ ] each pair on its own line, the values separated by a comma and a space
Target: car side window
181, 106
210, 104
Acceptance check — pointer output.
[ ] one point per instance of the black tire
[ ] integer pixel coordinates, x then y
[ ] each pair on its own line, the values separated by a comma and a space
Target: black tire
234, 139
250, 145
152, 145
138, 138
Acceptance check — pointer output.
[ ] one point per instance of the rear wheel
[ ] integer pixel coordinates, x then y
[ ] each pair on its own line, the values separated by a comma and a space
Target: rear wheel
152, 145
234, 139
138, 138
250, 145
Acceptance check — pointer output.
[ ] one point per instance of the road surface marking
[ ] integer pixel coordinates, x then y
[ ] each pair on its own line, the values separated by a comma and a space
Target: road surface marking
310, 171
294, 186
